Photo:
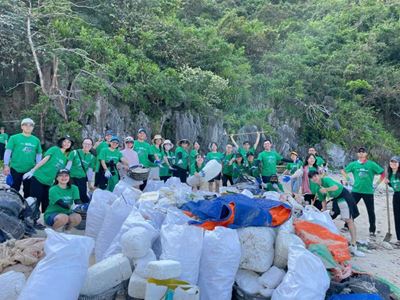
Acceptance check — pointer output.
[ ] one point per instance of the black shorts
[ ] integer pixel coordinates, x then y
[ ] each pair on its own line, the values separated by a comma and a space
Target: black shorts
2, 150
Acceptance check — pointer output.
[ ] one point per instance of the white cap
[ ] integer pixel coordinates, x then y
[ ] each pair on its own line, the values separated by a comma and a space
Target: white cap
27, 121
129, 139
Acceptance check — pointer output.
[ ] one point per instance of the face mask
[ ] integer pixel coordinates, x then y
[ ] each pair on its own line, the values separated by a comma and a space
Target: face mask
168, 147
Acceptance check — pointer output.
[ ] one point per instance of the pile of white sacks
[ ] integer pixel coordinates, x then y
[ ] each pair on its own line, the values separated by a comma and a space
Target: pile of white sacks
143, 240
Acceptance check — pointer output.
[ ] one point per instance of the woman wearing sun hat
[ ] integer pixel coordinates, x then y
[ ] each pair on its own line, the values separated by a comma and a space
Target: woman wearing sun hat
168, 160
156, 157
182, 160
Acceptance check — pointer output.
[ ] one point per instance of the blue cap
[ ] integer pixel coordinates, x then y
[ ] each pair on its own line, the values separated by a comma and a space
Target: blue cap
114, 138
141, 130
109, 132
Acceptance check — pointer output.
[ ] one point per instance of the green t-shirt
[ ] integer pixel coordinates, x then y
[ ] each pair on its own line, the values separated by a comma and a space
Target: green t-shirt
244, 152
218, 156
314, 188
327, 182
143, 151
253, 168
320, 161
108, 155
274, 187
294, 166
3, 138
193, 153
47, 173
68, 196
364, 175
194, 168
226, 168
158, 151
24, 150
164, 170
395, 183
269, 161
101, 146
88, 161
181, 158
238, 170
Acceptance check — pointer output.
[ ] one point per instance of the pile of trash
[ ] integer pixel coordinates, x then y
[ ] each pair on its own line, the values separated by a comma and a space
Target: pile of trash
170, 243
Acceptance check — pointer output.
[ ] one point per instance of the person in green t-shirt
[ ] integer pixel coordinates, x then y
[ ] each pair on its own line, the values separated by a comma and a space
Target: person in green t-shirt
193, 153
142, 147
156, 157
23, 151
213, 184
343, 204
253, 168
109, 158
227, 168
181, 164
81, 164
98, 146
3, 142
291, 169
269, 159
195, 169
393, 180
44, 173
246, 147
62, 196
168, 160
364, 171
238, 168
274, 185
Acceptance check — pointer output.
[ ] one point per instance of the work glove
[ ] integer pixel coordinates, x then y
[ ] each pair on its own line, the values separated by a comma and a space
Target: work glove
374, 186
202, 174
286, 178
171, 168
107, 174
180, 162
28, 175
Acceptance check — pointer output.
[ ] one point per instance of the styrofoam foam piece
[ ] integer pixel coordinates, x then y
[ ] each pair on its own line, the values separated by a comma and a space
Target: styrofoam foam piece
257, 244
283, 241
112, 224
247, 193
137, 286
149, 196
183, 243
154, 291
163, 269
11, 284
272, 278
267, 293
136, 242
140, 264
61, 273
248, 281
219, 263
106, 274
101, 201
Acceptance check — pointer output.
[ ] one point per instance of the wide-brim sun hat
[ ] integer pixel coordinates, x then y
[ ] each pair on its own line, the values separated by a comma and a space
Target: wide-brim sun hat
183, 141
157, 137
167, 142
66, 137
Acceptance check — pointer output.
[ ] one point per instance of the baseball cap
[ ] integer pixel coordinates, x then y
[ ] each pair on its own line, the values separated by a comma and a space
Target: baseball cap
109, 132
141, 130
27, 121
114, 138
395, 158
362, 149
128, 139
63, 171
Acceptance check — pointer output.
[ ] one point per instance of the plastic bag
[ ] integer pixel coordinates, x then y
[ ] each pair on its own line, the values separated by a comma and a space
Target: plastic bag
120, 187
134, 219
152, 213
257, 244
61, 273
306, 278
11, 284
283, 241
99, 205
183, 243
140, 264
312, 214
153, 185
113, 221
272, 278
248, 281
219, 263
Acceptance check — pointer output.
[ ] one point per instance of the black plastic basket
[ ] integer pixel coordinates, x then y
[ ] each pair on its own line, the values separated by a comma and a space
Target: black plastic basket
138, 173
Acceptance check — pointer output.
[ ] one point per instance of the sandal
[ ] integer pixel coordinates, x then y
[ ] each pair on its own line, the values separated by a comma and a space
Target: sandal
397, 244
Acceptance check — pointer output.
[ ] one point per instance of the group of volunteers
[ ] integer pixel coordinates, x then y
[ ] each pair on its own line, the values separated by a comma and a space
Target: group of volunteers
64, 174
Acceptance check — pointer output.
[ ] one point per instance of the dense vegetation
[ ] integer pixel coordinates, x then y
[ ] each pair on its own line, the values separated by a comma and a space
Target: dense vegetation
333, 65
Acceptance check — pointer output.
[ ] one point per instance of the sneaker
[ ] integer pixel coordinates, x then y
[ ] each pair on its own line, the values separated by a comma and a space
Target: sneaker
39, 226
355, 252
372, 235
